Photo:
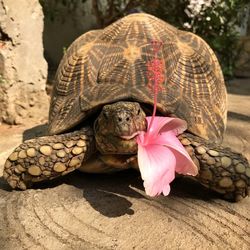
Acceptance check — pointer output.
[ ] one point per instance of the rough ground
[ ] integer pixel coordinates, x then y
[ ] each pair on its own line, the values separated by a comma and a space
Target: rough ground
112, 212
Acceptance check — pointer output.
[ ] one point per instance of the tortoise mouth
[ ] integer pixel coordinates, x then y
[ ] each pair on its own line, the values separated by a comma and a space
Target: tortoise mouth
129, 137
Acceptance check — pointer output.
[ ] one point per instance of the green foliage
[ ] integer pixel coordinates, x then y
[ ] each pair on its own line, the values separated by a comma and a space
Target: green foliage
214, 20
64, 50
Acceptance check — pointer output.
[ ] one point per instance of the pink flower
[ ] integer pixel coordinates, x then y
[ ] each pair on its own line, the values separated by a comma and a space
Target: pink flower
160, 154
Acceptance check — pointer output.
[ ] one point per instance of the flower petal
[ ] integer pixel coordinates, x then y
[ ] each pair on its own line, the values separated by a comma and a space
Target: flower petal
160, 154
165, 124
184, 163
157, 167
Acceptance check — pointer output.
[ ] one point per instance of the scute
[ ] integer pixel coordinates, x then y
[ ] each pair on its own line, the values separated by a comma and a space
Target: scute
72, 76
109, 65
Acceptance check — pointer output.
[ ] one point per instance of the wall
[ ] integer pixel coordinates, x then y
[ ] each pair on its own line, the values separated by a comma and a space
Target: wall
65, 28
23, 69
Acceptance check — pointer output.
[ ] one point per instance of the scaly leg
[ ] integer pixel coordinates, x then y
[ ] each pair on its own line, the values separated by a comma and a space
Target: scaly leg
48, 157
221, 169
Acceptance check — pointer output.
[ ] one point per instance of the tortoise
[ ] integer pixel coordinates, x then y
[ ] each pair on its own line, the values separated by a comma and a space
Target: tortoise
100, 100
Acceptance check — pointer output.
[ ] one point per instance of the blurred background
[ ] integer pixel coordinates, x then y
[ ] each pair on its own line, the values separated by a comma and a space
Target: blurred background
220, 23
35, 34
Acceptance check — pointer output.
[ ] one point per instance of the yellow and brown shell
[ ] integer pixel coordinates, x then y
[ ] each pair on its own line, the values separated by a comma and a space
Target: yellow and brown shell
109, 65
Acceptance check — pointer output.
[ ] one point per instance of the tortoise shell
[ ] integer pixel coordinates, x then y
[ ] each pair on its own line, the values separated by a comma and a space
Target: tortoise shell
109, 65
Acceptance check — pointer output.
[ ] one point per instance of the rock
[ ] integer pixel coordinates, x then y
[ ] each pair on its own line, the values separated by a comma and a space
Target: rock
23, 69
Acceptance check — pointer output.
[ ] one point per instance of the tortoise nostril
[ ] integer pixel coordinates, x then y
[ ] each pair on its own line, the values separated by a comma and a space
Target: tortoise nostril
121, 118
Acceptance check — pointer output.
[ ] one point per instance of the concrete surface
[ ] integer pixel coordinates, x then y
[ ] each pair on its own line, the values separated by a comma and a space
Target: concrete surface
83, 211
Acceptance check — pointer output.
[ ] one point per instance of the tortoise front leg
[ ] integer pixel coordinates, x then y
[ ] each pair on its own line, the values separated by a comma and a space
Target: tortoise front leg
48, 157
221, 169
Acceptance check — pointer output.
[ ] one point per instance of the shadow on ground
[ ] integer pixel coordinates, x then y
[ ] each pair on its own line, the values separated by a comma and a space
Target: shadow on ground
37, 131
102, 191
237, 116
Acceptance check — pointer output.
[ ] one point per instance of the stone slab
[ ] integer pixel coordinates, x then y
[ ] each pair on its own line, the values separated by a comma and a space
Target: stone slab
82, 211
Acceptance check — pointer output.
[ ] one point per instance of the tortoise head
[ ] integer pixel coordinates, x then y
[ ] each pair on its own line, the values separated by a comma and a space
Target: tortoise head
117, 126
